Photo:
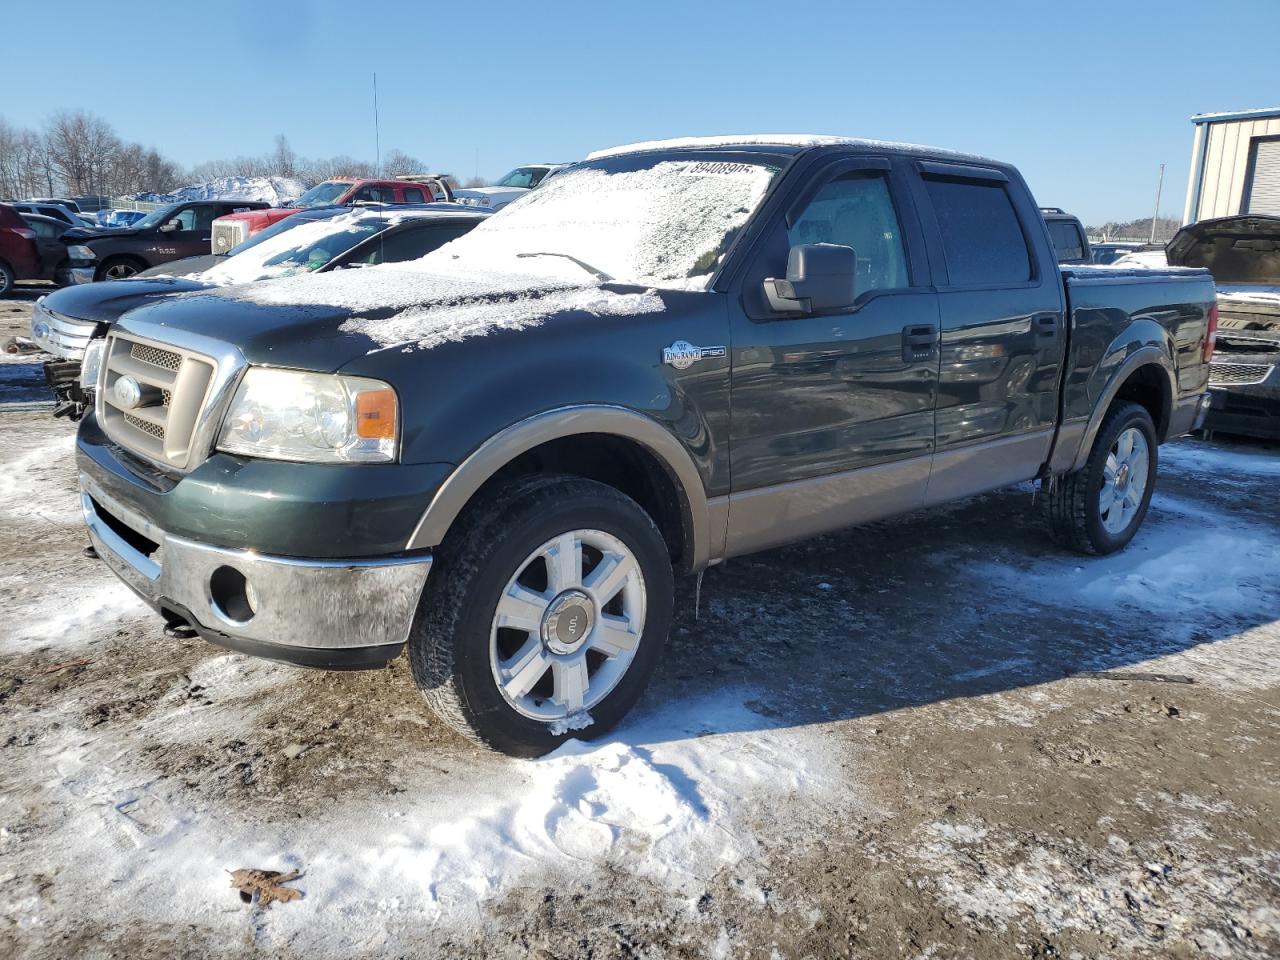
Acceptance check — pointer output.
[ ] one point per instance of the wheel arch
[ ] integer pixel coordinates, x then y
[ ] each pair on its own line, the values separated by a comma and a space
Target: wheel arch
1146, 377
133, 258
615, 445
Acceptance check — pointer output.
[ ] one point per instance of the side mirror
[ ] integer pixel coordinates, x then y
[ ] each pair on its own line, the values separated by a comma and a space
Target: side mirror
820, 277
171, 226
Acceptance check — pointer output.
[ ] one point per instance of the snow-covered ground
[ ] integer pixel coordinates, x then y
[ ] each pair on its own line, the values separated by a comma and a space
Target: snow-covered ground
772, 793
275, 190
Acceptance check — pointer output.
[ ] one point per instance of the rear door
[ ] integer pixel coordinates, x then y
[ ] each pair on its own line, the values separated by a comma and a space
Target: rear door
833, 413
1001, 304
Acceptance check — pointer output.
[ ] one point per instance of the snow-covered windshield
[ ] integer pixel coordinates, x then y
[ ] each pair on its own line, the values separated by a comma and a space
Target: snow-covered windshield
660, 220
157, 217
322, 194
304, 246
525, 177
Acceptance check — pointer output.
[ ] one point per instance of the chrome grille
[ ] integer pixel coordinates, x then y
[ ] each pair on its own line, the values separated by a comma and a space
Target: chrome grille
173, 383
1238, 374
165, 359
61, 336
227, 234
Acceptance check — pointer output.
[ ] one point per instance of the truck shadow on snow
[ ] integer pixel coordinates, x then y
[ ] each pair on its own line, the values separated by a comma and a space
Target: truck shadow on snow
975, 599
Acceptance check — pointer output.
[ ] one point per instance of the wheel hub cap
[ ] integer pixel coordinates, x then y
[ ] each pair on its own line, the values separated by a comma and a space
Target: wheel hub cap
567, 622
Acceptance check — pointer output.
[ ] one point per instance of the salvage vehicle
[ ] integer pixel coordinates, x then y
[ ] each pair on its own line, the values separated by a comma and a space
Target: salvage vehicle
170, 233
1067, 234
1243, 254
54, 264
500, 455
231, 230
64, 323
511, 187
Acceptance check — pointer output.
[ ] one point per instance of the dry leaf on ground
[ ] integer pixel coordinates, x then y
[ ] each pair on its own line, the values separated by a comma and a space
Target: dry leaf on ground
267, 884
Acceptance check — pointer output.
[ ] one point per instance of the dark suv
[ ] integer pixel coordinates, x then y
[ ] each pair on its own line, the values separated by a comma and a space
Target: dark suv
170, 233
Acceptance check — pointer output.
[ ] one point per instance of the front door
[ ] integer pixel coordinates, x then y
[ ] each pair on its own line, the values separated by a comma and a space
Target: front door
832, 414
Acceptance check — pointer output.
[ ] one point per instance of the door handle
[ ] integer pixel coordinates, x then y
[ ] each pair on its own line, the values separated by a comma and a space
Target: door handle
1045, 326
918, 342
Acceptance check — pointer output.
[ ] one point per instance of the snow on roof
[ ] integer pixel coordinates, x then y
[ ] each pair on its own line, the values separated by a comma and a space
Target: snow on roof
798, 140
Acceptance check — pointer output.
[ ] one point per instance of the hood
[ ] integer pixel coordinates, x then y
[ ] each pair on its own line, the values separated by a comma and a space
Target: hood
81, 234
323, 322
105, 302
1236, 250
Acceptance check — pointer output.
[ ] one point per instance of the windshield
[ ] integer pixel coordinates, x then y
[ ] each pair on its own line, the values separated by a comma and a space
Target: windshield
157, 217
662, 220
322, 194
302, 246
526, 177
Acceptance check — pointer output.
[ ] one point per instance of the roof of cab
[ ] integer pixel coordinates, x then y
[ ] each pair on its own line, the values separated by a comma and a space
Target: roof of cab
793, 142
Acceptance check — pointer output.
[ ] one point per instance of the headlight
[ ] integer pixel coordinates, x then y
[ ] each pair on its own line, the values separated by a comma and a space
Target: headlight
92, 363
80, 252
315, 417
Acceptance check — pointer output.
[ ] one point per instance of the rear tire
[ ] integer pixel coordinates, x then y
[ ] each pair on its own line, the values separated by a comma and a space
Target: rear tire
520, 652
7, 279
1098, 508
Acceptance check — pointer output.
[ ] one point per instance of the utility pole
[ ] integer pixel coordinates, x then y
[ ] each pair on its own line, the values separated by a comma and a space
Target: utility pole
1159, 187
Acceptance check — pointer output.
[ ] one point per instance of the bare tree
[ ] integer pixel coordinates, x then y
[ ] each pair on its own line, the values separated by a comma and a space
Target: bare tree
284, 161
399, 163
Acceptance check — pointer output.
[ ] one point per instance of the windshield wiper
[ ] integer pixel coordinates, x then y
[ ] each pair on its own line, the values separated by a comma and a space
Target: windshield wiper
598, 274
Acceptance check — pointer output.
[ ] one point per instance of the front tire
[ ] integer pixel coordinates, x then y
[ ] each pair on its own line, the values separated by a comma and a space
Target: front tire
544, 615
118, 268
1098, 508
7, 279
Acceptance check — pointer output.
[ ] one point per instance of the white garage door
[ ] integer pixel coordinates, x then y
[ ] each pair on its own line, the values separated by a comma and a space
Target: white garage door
1264, 183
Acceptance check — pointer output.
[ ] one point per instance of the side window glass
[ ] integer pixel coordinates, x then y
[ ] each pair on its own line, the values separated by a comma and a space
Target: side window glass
857, 211
373, 195
1067, 241
413, 195
186, 219
202, 217
982, 240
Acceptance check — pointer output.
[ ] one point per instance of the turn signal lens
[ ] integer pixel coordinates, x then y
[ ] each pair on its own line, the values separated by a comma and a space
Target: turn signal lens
376, 414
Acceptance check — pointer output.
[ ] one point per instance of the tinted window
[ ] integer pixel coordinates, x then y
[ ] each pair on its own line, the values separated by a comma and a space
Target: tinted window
45, 231
857, 211
1067, 241
413, 195
412, 243
982, 240
374, 195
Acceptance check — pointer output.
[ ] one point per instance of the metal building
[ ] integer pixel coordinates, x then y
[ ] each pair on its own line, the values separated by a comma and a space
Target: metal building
1235, 165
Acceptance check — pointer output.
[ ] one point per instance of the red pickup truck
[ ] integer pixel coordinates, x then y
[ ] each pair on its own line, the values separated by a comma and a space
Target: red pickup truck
235, 228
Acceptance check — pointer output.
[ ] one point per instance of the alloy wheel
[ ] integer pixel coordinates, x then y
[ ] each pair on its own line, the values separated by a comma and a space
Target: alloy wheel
1124, 480
567, 625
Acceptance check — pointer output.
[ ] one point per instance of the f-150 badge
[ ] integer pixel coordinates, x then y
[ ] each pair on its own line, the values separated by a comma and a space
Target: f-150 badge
682, 354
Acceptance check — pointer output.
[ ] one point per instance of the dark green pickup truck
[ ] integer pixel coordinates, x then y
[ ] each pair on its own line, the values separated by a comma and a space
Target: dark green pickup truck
669, 354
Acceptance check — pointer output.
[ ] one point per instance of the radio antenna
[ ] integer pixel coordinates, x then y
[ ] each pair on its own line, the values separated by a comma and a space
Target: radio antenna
377, 135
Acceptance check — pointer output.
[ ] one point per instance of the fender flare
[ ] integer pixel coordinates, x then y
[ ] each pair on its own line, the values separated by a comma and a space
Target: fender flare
1146, 355
499, 450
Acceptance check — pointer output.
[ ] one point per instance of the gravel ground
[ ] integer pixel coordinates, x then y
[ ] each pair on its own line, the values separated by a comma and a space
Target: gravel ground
932, 737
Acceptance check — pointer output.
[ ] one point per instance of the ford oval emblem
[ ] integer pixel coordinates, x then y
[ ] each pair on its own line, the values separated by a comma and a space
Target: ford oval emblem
127, 393
40, 330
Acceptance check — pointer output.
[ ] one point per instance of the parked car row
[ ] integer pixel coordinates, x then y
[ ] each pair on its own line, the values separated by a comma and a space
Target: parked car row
500, 455
65, 322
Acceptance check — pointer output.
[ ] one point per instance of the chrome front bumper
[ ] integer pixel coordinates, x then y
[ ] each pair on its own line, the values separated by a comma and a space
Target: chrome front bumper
330, 613
64, 337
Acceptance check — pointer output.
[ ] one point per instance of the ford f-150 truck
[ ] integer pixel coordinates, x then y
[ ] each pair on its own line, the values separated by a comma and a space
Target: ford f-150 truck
667, 355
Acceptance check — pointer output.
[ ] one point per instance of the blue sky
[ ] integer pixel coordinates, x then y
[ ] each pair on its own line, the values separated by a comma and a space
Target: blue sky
1088, 98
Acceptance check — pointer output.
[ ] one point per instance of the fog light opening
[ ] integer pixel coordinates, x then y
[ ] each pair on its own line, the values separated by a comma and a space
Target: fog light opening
232, 596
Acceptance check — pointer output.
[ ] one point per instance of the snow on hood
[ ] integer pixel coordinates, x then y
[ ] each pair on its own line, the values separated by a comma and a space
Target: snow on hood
395, 306
773, 139
274, 190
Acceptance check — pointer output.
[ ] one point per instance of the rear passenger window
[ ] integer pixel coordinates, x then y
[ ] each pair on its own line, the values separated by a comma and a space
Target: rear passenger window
413, 195
982, 239
1067, 241
857, 211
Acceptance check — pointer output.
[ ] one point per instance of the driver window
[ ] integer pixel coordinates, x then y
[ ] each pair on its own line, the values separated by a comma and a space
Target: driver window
186, 219
856, 211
